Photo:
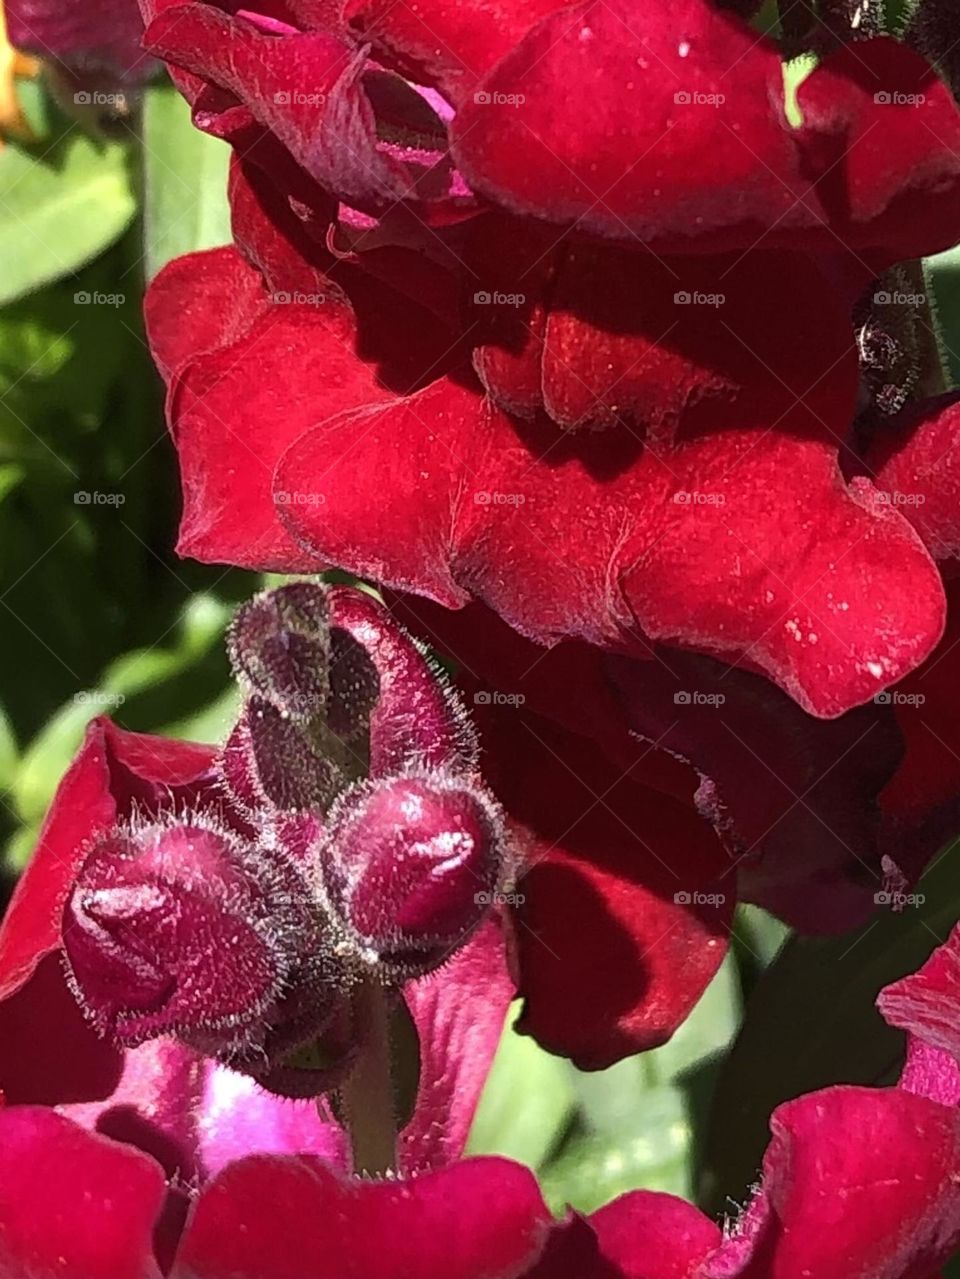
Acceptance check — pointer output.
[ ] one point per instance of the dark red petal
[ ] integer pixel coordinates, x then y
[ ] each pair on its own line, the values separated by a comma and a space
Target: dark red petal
744, 544
603, 115
654, 1236
915, 463
113, 771
72, 1203
483, 1216
794, 798
615, 946
200, 302
306, 89
927, 1003
921, 803
448, 45
459, 1013
884, 131
608, 337
235, 409
856, 1181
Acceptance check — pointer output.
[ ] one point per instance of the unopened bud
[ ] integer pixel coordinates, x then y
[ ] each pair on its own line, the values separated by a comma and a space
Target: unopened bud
279, 645
410, 865
184, 929
269, 762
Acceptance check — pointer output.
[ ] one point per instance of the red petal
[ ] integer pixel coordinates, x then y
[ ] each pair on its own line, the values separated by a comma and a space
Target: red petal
72, 1203
856, 1181
884, 131
745, 544
806, 838
654, 1236
927, 1003
586, 121
459, 1013
915, 463
614, 949
114, 771
305, 88
448, 45
483, 1216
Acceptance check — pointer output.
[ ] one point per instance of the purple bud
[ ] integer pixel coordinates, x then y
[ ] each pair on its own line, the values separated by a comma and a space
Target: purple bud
354, 686
184, 929
279, 645
411, 865
270, 762
417, 720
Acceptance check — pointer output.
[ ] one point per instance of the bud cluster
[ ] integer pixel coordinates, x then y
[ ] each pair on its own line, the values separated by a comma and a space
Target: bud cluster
354, 841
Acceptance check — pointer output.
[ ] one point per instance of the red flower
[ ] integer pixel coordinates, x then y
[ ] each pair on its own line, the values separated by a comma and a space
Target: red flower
420, 431
855, 1181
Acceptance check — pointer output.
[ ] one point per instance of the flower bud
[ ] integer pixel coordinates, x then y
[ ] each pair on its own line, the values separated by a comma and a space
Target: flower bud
183, 929
410, 865
416, 720
269, 762
279, 645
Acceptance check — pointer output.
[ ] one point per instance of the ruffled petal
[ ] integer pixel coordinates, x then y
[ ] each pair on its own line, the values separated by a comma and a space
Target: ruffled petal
856, 1181
72, 1203
307, 89
927, 1003
482, 1216
624, 915
114, 771
744, 544
914, 461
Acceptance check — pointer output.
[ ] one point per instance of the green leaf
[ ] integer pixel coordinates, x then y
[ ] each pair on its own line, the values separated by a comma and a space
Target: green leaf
637, 1122
527, 1102
812, 1022
941, 274
61, 204
186, 181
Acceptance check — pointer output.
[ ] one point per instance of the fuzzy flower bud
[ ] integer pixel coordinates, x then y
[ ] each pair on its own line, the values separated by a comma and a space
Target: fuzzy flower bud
184, 929
411, 865
279, 645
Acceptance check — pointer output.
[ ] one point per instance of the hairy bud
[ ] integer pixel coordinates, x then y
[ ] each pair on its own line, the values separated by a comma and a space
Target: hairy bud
184, 929
269, 761
279, 646
411, 865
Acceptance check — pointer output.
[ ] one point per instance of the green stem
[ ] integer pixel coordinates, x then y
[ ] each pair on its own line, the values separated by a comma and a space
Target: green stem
368, 1096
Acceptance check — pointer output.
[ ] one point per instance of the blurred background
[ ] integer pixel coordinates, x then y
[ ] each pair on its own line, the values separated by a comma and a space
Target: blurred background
98, 616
